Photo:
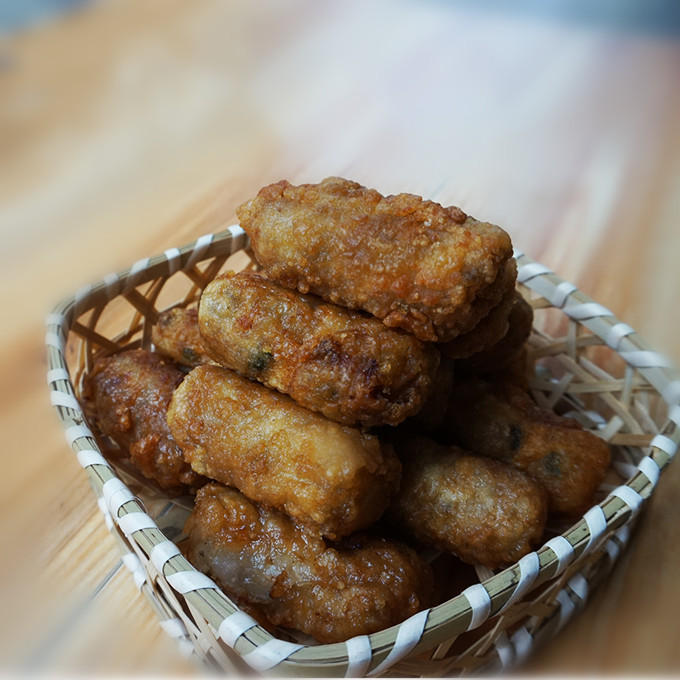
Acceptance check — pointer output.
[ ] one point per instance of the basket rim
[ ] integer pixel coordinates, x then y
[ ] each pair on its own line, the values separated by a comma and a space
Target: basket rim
380, 650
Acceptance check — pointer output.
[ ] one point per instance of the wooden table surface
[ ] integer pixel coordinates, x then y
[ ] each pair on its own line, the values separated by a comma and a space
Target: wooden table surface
128, 128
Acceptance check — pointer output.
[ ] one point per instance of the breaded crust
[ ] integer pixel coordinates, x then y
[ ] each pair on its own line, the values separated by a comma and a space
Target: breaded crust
333, 478
482, 510
346, 365
130, 393
289, 577
432, 271
500, 420
175, 335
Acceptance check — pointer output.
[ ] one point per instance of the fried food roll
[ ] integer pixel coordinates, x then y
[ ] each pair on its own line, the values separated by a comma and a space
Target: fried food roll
348, 366
487, 333
289, 577
501, 420
506, 351
176, 335
130, 393
333, 478
432, 271
482, 510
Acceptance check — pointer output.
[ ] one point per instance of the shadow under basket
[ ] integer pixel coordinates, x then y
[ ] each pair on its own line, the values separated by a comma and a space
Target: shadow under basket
587, 365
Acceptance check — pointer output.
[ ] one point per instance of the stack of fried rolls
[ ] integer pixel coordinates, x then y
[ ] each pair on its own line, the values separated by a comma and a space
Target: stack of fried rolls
361, 397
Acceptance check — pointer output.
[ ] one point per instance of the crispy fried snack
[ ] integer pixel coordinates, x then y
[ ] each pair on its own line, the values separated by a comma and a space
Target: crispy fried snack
130, 393
487, 333
432, 271
328, 476
499, 419
175, 335
507, 350
348, 366
482, 510
289, 577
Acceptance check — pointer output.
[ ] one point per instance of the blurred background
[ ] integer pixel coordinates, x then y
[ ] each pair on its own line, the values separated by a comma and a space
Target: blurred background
130, 127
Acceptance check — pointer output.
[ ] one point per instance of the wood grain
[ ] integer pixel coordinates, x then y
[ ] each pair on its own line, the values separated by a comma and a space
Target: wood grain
131, 127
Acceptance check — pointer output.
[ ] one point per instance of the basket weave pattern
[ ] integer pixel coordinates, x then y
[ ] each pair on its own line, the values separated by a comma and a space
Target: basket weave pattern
587, 363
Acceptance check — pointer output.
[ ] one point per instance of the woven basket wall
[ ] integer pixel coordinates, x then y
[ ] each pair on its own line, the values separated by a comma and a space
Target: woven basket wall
587, 364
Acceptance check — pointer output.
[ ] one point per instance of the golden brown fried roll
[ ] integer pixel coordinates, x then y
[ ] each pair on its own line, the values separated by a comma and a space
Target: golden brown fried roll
432, 271
289, 577
487, 333
480, 509
175, 335
350, 367
501, 420
130, 393
329, 476
507, 350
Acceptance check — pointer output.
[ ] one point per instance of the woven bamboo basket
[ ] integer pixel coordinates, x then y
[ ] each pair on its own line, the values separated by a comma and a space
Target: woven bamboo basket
587, 364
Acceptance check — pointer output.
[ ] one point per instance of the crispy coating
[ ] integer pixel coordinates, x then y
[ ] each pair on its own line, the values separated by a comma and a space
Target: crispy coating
507, 350
348, 366
432, 271
487, 333
290, 577
130, 393
333, 478
501, 420
482, 510
175, 335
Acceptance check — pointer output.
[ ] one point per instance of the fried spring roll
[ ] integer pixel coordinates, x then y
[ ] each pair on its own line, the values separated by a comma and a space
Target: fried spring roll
175, 335
350, 367
480, 509
130, 392
499, 419
507, 350
333, 478
289, 577
432, 271
487, 333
